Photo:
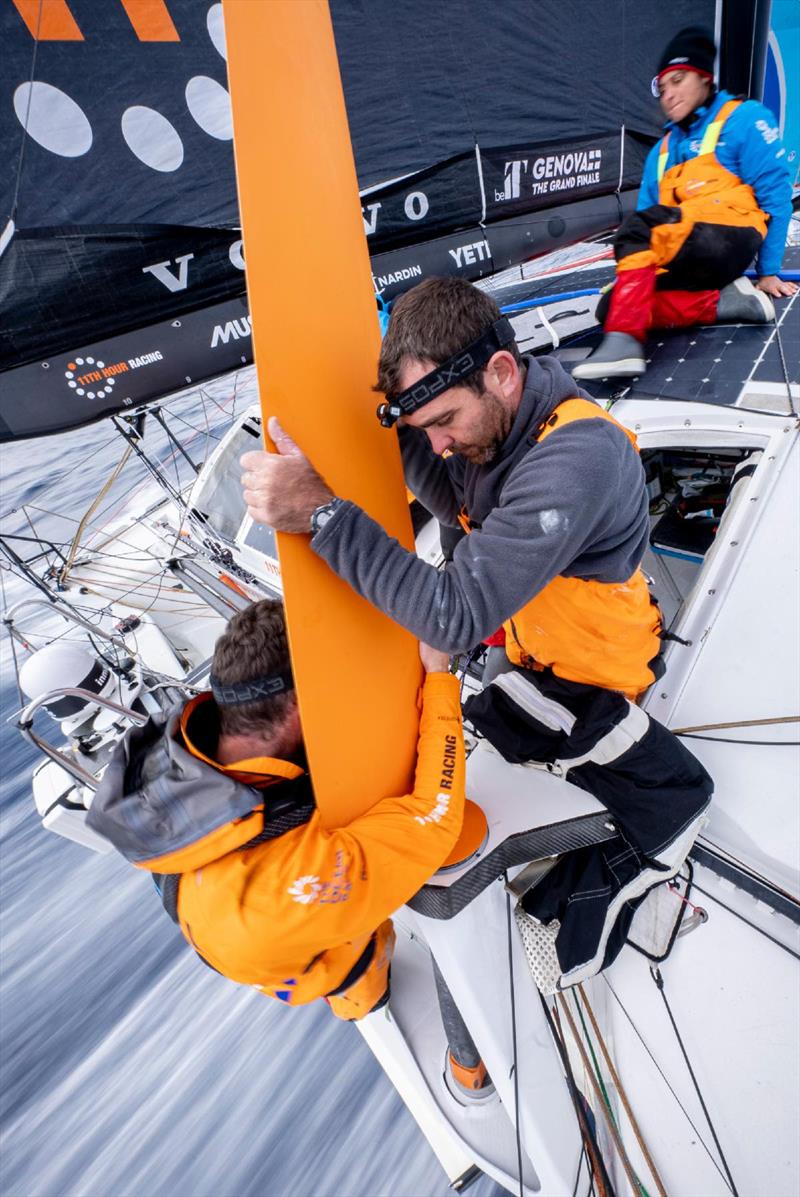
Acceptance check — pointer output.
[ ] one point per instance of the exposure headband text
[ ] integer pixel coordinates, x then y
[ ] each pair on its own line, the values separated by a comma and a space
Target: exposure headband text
228, 694
456, 368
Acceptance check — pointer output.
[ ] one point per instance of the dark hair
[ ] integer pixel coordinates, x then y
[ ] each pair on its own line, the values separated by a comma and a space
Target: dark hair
432, 322
254, 645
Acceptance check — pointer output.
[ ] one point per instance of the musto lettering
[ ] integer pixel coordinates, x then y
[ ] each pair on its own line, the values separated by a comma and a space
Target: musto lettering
550, 173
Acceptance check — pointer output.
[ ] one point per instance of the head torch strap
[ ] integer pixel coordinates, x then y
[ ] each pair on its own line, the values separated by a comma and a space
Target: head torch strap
459, 366
228, 694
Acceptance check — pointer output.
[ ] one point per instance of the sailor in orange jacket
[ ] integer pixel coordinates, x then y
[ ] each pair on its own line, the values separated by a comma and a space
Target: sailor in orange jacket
216, 802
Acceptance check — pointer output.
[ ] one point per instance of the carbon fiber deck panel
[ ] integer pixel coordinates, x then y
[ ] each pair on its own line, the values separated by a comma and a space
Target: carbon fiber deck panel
443, 902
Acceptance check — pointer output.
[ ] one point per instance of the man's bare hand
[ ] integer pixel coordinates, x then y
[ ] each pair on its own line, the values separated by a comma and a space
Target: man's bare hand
777, 287
282, 489
433, 661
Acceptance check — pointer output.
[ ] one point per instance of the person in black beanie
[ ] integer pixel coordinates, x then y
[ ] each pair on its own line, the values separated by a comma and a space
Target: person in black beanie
715, 193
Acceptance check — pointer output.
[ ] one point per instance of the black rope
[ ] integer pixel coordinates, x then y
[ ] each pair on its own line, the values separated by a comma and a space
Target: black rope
584, 1126
662, 1074
655, 973
578, 1173
779, 343
747, 923
514, 1038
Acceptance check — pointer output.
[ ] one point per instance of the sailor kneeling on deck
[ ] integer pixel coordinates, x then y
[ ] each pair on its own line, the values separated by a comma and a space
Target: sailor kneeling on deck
552, 492
216, 802
716, 193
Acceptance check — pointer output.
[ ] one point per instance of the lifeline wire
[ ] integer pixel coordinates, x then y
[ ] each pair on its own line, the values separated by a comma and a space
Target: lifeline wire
747, 922
663, 1076
655, 973
514, 1035
779, 343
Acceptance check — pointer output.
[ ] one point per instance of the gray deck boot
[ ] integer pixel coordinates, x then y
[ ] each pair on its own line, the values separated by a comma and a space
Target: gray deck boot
740, 300
617, 356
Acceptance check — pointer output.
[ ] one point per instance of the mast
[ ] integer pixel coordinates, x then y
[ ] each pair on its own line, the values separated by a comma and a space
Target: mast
316, 342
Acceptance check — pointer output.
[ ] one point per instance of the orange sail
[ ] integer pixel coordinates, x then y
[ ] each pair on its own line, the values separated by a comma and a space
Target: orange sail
316, 343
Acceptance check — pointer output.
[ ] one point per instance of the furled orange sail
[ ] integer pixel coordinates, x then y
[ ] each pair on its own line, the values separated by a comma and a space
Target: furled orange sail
316, 342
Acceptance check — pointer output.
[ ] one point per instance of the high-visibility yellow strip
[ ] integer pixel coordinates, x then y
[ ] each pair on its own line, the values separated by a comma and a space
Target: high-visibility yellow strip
711, 135
662, 157
316, 342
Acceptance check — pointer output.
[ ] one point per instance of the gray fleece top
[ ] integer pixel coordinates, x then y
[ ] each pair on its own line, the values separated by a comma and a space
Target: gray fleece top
574, 505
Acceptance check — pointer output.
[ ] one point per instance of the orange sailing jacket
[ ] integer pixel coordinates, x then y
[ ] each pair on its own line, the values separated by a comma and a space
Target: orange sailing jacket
599, 633
293, 914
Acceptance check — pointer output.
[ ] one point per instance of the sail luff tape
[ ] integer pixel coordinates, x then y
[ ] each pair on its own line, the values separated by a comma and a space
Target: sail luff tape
459, 366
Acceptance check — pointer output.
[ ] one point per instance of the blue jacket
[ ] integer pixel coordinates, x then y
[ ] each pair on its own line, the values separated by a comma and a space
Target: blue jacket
750, 147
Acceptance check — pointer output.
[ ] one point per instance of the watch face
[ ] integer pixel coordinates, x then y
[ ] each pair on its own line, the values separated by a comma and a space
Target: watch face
321, 515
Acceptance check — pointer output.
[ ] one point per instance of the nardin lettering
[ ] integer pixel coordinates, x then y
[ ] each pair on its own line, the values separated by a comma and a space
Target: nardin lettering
161, 271
382, 281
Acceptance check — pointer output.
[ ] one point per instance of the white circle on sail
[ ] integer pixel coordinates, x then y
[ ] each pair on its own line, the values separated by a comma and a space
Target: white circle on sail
53, 119
210, 105
216, 29
152, 138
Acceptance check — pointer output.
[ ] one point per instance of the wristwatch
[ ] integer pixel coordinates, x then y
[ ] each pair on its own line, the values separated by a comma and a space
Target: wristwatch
320, 515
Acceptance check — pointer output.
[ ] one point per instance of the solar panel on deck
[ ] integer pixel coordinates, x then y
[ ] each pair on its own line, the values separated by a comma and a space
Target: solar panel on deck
710, 364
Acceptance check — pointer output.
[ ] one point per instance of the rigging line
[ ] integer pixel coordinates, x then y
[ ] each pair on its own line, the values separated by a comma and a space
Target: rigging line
514, 1036
789, 394
622, 1094
73, 549
596, 1163
728, 740
663, 1076
752, 926
13, 642
47, 554
581, 1158
633, 1179
18, 181
775, 333
658, 980
701, 727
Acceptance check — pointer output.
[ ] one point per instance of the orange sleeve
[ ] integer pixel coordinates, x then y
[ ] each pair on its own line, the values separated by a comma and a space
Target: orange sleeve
343, 883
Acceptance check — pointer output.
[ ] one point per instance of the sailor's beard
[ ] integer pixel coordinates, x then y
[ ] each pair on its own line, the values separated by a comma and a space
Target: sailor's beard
488, 433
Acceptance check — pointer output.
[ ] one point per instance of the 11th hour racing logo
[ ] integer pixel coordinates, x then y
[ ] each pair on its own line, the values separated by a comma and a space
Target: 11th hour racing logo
93, 379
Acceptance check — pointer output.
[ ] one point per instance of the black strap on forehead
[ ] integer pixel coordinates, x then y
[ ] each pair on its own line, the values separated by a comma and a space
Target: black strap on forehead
230, 694
459, 366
